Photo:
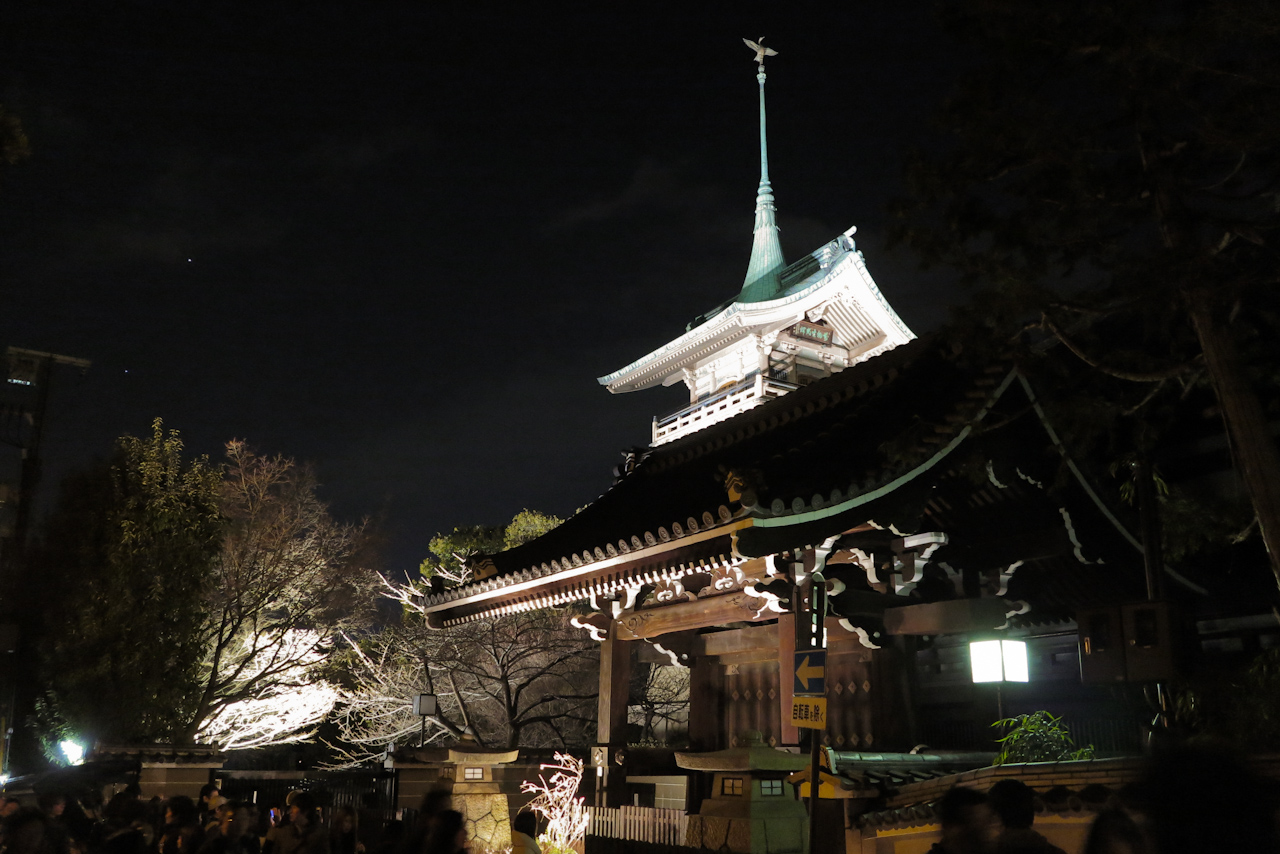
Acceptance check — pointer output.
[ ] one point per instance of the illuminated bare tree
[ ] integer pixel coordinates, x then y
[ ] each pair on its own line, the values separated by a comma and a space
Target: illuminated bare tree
283, 708
197, 603
288, 580
517, 680
660, 704
386, 670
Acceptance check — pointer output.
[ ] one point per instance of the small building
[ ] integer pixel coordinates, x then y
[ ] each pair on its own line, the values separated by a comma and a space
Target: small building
166, 770
752, 805
467, 770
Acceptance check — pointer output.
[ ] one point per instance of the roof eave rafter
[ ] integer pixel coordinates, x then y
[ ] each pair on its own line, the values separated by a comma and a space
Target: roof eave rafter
578, 582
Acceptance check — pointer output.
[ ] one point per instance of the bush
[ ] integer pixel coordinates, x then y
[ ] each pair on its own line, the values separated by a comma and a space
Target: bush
1037, 737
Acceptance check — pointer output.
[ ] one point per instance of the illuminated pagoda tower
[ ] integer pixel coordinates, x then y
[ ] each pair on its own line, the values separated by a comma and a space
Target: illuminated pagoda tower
788, 326
834, 487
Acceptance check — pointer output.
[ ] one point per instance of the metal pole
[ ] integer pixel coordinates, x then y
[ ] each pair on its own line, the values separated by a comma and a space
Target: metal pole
817, 640
815, 742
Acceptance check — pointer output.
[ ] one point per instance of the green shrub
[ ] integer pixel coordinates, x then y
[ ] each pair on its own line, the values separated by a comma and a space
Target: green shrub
1037, 737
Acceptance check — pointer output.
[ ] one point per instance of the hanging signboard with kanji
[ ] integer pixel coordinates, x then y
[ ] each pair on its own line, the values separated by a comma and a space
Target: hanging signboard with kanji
808, 705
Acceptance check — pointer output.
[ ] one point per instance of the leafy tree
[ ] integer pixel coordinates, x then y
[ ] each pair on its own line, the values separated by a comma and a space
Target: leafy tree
450, 550
127, 556
515, 680
1110, 185
1237, 706
196, 603
527, 525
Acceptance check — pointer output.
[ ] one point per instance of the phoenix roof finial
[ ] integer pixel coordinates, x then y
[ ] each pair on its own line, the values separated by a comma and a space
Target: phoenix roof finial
760, 49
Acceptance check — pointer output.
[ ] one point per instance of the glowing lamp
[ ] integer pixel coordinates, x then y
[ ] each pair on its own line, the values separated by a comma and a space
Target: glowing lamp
999, 661
73, 752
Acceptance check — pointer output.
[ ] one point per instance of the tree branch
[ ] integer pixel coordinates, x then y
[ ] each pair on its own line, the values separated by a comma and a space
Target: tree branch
1120, 374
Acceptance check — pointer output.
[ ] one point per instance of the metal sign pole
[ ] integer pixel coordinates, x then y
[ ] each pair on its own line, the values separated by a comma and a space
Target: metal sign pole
818, 611
809, 694
815, 742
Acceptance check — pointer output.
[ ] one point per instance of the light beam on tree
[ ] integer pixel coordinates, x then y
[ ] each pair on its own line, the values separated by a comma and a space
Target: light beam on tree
288, 709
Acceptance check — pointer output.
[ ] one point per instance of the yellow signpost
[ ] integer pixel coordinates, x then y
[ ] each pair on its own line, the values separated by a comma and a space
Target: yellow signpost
809, 712
808, 705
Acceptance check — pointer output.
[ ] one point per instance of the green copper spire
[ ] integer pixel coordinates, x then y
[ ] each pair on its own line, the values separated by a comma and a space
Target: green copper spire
762, 281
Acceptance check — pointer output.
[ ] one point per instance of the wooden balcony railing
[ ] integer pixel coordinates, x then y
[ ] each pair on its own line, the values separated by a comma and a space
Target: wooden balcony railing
720, 406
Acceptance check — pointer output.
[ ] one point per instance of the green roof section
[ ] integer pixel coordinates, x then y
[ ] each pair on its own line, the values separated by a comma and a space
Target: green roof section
763, 281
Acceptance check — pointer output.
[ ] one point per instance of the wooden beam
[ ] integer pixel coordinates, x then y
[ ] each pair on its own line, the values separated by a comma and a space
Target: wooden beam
713, 611
956, 616
685, 645
786, 646
752, 639
751, 657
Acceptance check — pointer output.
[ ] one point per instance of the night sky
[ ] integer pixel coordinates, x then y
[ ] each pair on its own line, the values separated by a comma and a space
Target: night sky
400, 241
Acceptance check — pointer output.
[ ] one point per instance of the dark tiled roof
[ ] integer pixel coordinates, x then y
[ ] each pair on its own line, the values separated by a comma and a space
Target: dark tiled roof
191, 754
887, 773
842, 436
1058, 800
1061, 788
917, 439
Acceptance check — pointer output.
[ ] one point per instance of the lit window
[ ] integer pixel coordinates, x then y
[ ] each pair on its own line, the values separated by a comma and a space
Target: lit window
771, 788
473, 774
1015, 661
999, 661
731, 786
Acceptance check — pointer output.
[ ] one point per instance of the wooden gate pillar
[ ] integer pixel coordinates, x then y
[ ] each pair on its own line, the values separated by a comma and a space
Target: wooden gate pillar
611, 720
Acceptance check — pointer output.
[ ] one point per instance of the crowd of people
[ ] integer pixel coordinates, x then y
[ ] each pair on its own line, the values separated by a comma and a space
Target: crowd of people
131, 824
1188, 800
1191, 800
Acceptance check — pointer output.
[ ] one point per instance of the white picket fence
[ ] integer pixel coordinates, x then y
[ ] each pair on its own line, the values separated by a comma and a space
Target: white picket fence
639, 824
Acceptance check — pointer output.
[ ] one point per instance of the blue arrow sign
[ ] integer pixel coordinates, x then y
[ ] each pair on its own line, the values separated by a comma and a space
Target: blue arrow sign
811, 672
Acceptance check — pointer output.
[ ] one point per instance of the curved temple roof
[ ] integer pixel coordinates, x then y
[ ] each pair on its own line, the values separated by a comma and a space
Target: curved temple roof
832, 282
893, 442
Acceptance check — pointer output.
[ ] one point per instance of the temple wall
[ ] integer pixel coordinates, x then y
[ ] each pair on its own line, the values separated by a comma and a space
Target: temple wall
865, 705
751, 701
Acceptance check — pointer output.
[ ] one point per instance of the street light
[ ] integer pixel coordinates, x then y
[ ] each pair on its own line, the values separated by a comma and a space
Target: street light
424, 706
73, 752
999, 661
